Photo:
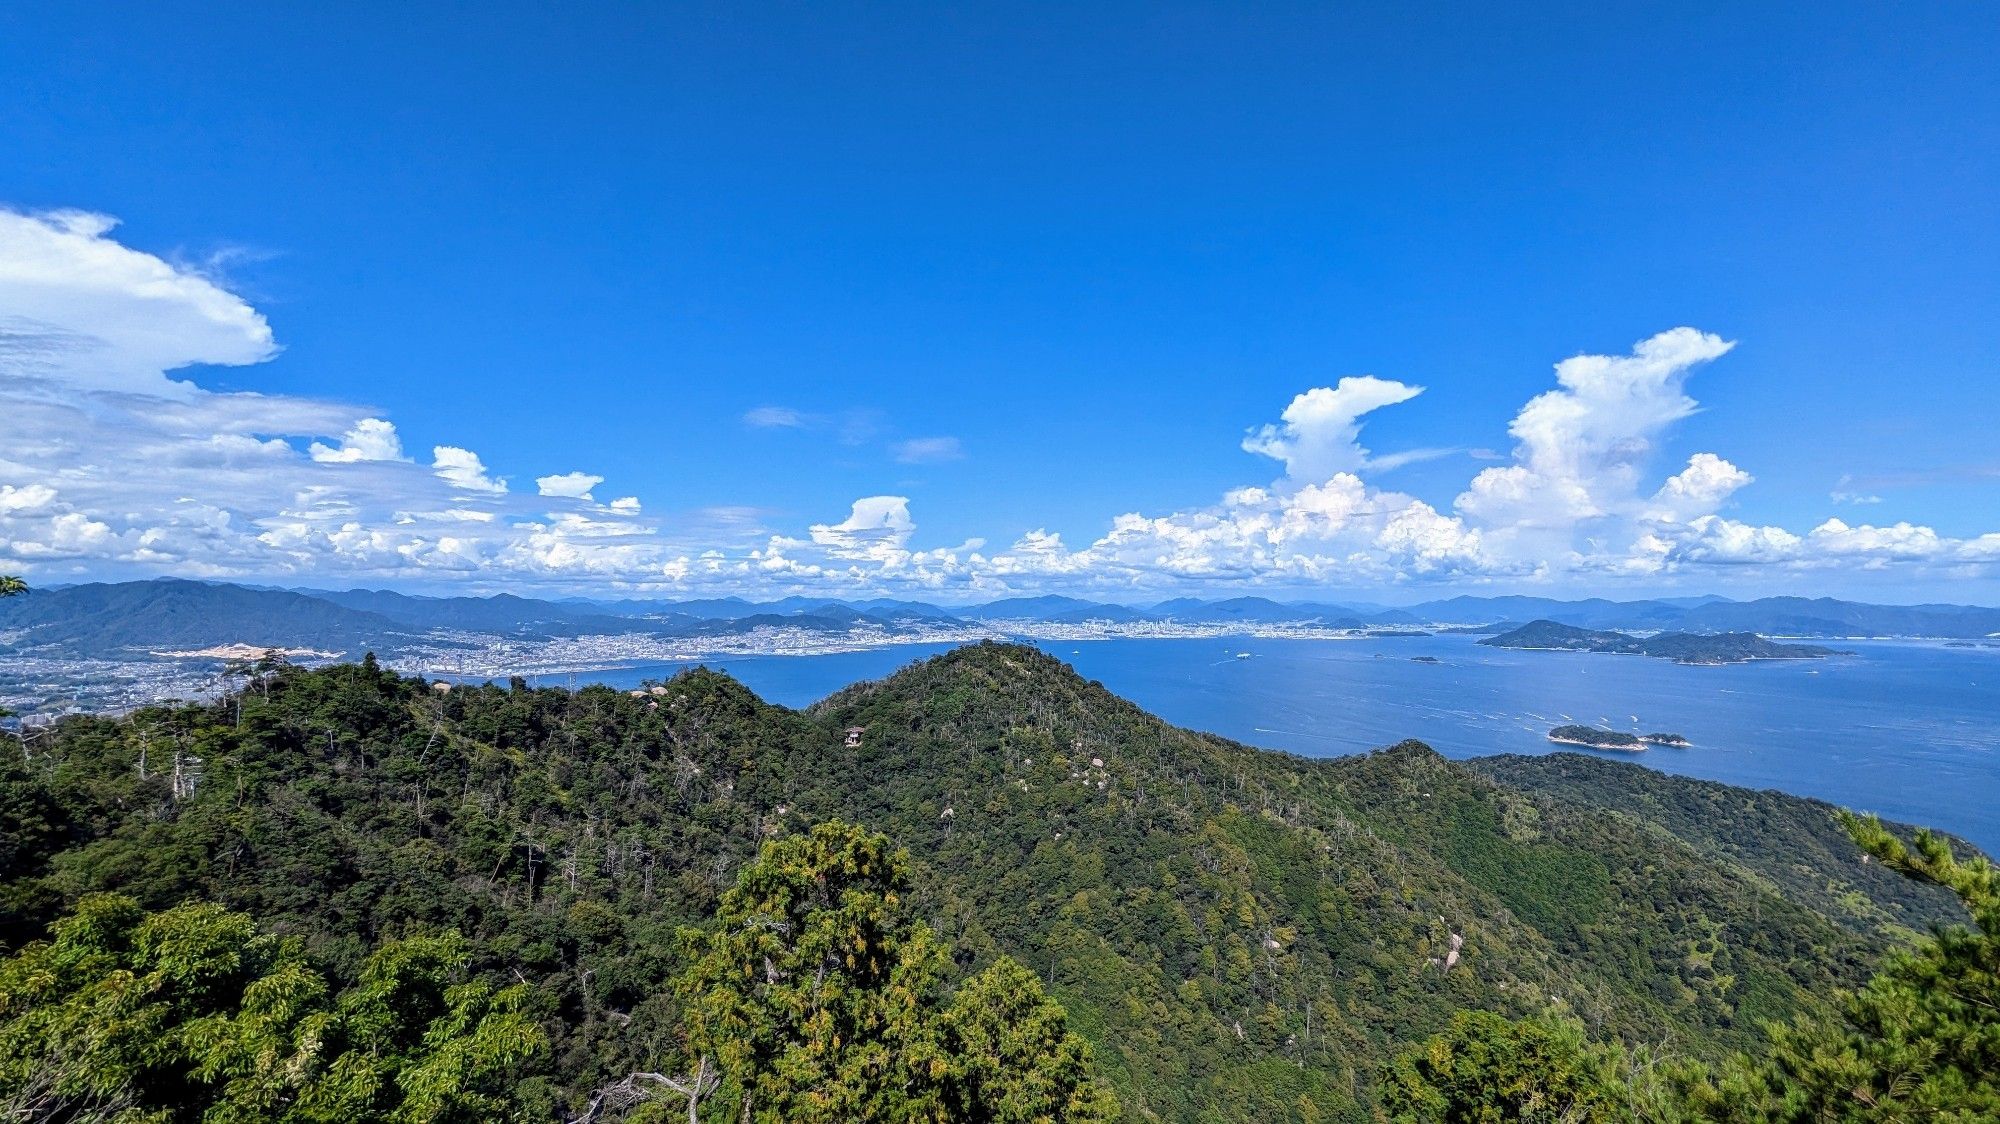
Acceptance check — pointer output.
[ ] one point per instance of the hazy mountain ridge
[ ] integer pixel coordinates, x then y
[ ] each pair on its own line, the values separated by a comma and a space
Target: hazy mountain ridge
117, 620
500, 613
132, 618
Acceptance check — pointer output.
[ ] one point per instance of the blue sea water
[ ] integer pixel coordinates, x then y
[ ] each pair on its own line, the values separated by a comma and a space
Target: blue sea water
1907, 729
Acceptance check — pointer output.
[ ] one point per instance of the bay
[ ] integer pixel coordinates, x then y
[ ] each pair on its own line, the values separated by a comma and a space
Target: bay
1908, 729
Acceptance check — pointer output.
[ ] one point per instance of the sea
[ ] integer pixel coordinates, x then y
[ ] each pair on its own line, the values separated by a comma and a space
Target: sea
1906, 729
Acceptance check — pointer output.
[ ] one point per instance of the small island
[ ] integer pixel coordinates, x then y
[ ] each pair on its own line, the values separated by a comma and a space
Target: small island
1677, 741
1681, 647
1596, 737
1423, 659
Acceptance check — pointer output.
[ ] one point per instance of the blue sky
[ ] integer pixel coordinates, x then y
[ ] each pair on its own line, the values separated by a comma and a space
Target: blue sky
1022, 270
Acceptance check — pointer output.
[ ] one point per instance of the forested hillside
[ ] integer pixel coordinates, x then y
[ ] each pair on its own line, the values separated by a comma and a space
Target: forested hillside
1794, 844
1239, 935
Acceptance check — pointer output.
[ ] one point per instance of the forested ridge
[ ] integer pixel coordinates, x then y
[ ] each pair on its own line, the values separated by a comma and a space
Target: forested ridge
1237, 934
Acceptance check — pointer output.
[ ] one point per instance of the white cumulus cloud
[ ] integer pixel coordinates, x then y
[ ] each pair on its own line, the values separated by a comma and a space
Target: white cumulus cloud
462, 468
1582, 446
872, 523
1319, 433
79, 310
1699, 489
27, 498
568, 485
371, 439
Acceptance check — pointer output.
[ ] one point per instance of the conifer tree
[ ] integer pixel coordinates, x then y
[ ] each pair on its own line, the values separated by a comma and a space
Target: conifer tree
1014, 1058
813, 992
819, 998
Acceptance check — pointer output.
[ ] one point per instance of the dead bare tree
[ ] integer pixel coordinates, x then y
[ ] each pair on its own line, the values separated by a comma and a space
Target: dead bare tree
636, 1087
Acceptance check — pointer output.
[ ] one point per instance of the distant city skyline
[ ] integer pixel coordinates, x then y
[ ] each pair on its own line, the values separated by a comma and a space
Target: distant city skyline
1265, 302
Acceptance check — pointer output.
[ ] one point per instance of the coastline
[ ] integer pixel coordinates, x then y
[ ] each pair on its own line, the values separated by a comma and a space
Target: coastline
1782, 725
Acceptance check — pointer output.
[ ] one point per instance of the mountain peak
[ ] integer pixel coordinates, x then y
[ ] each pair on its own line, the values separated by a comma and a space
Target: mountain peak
1003, 666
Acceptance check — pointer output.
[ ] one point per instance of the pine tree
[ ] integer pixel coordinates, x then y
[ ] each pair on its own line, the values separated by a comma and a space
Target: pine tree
1014, 1058
814, 990
819, 998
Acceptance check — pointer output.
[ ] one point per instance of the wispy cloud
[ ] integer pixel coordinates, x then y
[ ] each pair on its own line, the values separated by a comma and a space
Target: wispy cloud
1848, 490
1389, 462
929, 450
776, 417
1869, 483
856, 426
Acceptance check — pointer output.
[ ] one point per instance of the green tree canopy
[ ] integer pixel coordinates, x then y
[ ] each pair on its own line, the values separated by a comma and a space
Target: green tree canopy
1920, 1042
1487, 1069
1014, 1058
193, 1015
812, 990
820, 998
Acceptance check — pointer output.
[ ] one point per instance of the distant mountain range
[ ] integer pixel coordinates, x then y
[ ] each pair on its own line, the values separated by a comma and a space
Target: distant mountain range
133, 618
168, 615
